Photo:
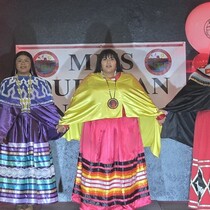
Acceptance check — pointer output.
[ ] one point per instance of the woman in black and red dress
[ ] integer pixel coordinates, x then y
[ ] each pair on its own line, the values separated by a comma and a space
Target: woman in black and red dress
188, 122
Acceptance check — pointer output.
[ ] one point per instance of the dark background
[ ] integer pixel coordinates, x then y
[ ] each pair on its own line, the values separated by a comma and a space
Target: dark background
90, 21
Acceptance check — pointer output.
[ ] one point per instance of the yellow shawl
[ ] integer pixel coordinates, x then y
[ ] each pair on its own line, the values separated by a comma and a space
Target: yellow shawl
89, 103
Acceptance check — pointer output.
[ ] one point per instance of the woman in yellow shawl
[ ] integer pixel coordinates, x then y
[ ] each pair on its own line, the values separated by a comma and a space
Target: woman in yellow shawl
114, 118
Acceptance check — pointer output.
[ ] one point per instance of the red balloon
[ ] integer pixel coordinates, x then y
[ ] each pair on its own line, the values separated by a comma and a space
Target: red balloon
200, 60
197, 28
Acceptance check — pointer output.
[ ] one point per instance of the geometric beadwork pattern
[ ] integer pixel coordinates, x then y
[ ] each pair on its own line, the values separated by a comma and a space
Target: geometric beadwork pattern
199, 184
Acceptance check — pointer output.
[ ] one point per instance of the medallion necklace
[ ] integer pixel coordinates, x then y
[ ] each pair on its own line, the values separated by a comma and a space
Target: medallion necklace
25, 101
112, 103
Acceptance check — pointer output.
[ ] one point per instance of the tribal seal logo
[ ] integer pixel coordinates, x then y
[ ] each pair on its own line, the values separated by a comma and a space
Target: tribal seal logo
158, 61
207, 28
46, 63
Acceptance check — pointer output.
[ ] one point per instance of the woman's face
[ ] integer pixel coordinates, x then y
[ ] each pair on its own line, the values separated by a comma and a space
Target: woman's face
23, 65
109, 66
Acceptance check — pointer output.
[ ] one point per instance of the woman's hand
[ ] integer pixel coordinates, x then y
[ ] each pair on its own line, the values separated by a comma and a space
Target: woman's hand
4, 141
162, 117
62, 128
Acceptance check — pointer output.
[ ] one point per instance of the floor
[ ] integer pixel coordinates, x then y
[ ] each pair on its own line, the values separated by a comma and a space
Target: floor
155, 205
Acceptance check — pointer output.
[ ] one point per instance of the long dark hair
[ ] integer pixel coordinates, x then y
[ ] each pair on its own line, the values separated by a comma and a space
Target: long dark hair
32, 70
104, 54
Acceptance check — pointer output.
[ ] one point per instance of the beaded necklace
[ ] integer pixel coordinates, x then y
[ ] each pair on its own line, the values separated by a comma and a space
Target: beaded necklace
25, 102
112, 103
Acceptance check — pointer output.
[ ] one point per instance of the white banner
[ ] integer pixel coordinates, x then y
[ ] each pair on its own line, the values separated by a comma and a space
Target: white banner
159, 67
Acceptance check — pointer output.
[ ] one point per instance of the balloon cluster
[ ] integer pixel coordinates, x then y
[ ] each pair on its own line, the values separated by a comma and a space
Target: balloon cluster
197, 29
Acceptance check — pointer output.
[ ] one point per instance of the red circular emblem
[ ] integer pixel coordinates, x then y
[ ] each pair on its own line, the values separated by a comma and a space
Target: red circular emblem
46, 63
158, 61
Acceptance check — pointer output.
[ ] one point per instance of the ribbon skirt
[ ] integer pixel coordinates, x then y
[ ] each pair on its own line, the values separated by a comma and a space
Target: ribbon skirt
199, 197
111, 171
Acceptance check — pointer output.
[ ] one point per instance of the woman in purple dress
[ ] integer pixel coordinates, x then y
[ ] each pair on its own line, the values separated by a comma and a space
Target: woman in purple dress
28, 118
